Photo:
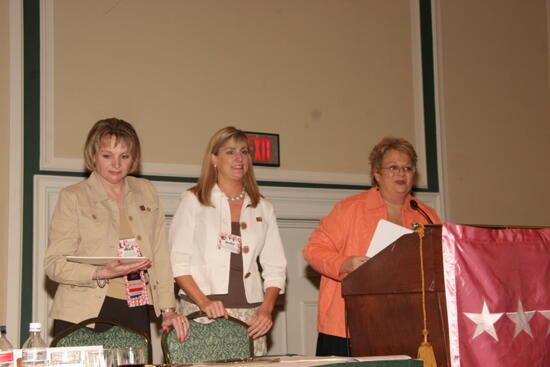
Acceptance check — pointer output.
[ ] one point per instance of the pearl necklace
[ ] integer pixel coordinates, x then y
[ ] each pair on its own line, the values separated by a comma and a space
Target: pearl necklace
235, 198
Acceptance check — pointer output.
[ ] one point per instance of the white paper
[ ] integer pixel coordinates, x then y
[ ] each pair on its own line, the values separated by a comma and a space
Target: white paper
81, 356
102, 260
382, 358
385, 234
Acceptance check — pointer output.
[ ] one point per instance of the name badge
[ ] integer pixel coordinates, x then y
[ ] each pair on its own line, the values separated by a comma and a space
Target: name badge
128, 247
230, 242
135, 283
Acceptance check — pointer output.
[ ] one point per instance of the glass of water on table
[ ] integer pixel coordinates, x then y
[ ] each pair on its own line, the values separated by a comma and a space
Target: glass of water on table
130, 357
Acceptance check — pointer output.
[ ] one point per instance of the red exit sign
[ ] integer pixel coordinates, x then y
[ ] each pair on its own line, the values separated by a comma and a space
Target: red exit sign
264, 148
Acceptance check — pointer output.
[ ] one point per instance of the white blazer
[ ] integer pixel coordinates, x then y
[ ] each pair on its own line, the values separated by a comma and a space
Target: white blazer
193, 239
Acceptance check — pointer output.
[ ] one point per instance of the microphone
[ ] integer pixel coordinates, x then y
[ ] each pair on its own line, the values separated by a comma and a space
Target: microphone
415, 206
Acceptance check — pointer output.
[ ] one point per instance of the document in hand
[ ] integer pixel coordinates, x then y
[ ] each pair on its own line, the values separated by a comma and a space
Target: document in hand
102, 260
385, 234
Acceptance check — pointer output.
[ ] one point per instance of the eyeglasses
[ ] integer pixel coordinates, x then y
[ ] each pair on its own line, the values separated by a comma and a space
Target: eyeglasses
394, 169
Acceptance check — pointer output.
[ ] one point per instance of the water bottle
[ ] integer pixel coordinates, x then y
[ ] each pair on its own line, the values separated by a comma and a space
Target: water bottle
6, 350
34, 349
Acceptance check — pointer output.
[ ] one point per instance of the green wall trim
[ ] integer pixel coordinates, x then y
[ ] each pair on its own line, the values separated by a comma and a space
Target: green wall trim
31, 141
428, 87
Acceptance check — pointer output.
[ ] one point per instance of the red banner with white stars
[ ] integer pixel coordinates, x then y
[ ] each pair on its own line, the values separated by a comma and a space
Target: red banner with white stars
498, 295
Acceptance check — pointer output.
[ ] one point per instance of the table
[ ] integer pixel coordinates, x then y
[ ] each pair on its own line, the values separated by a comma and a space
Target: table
309, 361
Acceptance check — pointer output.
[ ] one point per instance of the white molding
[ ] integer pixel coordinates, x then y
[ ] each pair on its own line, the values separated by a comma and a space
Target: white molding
44, 195
295, 207
302, 207
169, 194
49, 162
279, 333
15, 201
307, 308
298, 223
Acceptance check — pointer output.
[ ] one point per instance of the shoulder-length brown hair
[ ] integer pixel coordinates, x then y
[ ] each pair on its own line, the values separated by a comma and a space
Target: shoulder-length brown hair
208, 178
386, 144
118, 128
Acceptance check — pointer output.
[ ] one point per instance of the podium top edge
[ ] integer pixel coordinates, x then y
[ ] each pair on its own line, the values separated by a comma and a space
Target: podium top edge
491, 226
504, 226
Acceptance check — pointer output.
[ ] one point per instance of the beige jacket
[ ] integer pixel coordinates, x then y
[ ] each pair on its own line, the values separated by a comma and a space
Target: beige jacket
86, 223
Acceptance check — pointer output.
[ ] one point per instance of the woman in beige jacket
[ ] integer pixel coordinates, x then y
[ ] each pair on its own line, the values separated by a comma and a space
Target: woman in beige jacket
111, 215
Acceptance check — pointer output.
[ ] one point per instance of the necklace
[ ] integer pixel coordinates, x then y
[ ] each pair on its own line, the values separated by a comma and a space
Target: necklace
235, 198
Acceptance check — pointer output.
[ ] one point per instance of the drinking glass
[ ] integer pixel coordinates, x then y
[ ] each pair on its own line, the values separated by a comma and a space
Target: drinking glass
109, 357
130, 357
94, 358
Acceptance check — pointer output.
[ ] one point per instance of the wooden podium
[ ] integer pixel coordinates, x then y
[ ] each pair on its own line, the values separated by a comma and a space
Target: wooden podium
384, 300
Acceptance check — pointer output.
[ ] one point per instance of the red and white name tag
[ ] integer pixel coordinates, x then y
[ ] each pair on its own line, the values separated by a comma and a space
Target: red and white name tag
136, 283
128, 247
230, 242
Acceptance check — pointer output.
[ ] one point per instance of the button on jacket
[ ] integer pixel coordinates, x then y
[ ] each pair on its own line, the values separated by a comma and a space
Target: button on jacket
347, 231
193, 239
86, 223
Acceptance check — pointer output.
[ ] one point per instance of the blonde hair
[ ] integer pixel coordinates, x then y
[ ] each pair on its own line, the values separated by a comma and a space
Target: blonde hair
106, 128
388, 143
207, 179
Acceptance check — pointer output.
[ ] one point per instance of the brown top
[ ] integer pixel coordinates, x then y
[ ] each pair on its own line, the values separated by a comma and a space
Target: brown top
235, 297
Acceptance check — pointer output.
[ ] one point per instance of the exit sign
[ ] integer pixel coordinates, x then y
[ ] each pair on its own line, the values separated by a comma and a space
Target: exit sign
263, 148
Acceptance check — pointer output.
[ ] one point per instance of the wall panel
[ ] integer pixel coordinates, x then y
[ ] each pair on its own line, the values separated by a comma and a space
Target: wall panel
330, 77
298, 212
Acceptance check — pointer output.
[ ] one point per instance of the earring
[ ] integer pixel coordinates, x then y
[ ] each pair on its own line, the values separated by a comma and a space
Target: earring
215, 166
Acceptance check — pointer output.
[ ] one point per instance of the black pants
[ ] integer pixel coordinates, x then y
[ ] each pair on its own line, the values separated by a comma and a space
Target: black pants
330, 345
116, 309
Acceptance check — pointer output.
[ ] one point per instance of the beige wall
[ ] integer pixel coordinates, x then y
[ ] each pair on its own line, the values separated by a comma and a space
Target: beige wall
495, 110
4, 151
329, 76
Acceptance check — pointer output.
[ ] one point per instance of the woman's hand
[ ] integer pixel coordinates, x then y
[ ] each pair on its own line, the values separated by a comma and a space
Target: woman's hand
260, 324
115, 269
352, 263
179, 322
213, 309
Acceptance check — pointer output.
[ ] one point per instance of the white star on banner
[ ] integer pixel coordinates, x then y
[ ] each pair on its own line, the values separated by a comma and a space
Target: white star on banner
521, 319
546, 313
485, 321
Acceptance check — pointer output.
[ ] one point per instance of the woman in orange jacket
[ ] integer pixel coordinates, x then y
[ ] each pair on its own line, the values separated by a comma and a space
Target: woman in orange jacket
339, 245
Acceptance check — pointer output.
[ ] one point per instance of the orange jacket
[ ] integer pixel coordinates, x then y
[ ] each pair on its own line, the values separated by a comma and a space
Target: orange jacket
347, 231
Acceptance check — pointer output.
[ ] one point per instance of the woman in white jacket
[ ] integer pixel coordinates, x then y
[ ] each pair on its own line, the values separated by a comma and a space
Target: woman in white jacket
221, 228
